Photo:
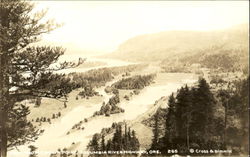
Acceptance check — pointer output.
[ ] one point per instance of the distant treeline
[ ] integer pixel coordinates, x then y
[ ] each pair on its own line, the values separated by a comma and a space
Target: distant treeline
134, 82
199, 119
216, 57
87, 80
98, 77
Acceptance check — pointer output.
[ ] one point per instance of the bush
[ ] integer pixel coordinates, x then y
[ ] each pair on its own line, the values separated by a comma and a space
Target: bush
126, 97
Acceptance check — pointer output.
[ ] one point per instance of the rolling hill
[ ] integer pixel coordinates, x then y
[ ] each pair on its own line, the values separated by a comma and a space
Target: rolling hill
164, 45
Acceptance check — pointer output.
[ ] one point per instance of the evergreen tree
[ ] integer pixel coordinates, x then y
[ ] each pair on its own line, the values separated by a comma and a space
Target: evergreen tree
103, 146
155, 132
204, 110
180, 111
134, 142
187, 116
94, 144
41, 119
238, 109
117, 142
65, 104
32, 151
129, 138
244, 112
117, 138
126, 137
109, 145
170, 123
19, 28
38, 102
191, 121
224, 96
129, 133
53, 116
64, 152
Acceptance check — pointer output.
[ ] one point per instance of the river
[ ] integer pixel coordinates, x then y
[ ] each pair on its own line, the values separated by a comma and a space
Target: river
55, 136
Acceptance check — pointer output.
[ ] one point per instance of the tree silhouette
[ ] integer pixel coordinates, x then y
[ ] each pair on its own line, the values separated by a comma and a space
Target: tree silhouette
170, 123
155, 139
32, 151
121, 140
26, 70
103, 146
224, 96
190, 121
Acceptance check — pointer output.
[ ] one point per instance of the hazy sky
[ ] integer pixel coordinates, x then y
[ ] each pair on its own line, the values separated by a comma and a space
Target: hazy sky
103, 25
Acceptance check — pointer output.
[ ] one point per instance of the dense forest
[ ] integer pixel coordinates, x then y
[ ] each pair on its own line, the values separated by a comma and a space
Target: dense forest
97, 77
134, 82
123, 139
200, 119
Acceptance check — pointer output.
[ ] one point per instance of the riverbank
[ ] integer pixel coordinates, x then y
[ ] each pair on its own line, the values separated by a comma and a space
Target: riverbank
55, 135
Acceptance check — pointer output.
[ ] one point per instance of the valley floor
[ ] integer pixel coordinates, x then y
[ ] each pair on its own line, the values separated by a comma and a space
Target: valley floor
56, 135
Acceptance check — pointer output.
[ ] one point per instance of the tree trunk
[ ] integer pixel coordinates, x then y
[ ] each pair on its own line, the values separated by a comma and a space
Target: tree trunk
225, 125
3, 135
4, 83
4, 99
188, 132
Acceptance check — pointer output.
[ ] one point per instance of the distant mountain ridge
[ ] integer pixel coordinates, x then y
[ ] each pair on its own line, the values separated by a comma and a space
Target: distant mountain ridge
159, 46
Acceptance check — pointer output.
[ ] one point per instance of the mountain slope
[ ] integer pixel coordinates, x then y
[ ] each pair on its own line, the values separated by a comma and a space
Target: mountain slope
159, 46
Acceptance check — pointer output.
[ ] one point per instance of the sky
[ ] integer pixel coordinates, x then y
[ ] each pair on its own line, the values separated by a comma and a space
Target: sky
101, 26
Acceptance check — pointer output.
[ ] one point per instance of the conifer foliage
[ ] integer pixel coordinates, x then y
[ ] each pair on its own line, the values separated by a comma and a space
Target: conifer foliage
187, 120
26, 70
191, 120
123, 139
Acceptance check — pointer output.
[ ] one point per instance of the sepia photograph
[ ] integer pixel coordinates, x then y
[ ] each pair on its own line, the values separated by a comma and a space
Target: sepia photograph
121, 78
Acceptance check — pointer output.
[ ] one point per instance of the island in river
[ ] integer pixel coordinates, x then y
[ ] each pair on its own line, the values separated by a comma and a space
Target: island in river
58, 133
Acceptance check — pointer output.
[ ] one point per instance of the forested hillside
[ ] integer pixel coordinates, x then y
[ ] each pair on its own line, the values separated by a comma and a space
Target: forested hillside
214, 57
200, 119
171, 48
